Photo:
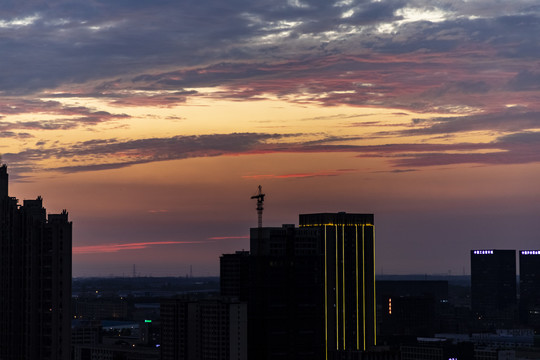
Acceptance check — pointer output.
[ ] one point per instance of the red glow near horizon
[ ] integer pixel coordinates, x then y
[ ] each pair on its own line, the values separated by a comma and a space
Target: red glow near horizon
109, 248
299, 175
229, 237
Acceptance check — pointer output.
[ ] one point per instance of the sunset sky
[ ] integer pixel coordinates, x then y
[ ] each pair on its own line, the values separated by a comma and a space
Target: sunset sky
153, 123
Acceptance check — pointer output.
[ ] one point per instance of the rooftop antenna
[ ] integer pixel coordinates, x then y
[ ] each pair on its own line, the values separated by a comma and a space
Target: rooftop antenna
260, 201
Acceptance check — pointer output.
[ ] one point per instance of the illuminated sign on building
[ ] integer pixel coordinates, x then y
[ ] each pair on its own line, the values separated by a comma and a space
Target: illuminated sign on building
483, 252
530, 252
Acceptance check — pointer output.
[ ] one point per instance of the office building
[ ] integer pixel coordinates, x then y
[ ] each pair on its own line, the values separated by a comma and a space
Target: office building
437, 349
100, 308
35, 280
233, 275
493, 287
312, 288
200, 329
85, 332
113, 352
529, 287
411, 307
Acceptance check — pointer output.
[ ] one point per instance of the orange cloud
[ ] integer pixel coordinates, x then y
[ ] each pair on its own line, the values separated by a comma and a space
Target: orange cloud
300, 175
110, 248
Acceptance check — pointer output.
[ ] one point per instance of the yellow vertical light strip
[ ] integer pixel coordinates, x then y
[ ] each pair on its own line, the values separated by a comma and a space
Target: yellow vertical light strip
325, 299
343, 280
374, 298
337, 291
363, 287
356, 274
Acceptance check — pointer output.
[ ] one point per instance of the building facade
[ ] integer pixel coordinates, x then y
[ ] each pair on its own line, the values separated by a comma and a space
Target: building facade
411, 307
312, 288
100, 308
437, 349
35, 279
493, 287
529, 287
203, 329
234, 275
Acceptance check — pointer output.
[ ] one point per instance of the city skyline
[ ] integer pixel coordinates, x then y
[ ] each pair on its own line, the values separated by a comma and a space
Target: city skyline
153, 123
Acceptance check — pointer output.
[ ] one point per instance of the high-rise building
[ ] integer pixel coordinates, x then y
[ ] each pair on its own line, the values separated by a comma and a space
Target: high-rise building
199, 329
233, 275
35, 280
439, 348
529, 287
493, 286
312, 288
411, 307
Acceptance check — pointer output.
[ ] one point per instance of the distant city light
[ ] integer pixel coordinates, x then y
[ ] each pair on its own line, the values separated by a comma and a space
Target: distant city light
483, 252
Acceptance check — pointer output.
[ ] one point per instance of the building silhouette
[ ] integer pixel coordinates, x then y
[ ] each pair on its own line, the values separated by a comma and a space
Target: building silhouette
35, 279
200, 329
411, 307
312, 288
529, 287
435, 349
234, 275
206, 326
493, 287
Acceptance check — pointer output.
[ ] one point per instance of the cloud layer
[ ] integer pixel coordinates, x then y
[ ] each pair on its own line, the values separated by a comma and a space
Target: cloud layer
459, 69
102, 48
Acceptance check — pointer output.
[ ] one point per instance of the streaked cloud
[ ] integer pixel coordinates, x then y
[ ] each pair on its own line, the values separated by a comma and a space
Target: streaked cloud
229, 237
19, 22
158, 211
300, 175
113, 248
519, 147
508, 120
107, 154
68, 117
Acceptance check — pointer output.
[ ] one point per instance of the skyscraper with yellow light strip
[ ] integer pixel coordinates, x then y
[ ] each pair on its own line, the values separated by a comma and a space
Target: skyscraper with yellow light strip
349, 278
312, 288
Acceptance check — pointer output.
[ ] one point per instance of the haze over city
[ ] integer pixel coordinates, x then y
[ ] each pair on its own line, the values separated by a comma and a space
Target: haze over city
153, 123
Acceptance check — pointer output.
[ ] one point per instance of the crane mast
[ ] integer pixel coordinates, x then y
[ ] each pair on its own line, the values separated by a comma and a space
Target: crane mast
260, 200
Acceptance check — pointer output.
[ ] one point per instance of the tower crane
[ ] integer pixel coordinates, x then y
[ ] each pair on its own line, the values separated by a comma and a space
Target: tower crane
260, 200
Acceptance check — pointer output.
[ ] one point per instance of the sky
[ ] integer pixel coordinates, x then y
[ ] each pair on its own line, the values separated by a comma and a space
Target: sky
154, 122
